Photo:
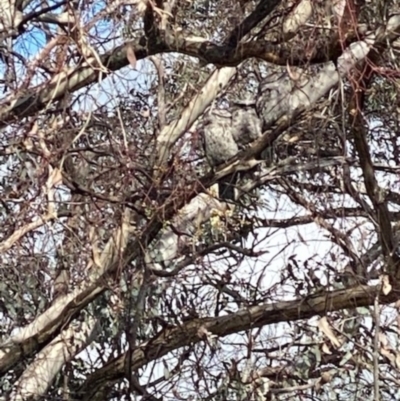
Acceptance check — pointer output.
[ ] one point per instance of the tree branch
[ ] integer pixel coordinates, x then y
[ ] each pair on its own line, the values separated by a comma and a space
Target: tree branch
221, 55
263, 9
251, 317
39, 375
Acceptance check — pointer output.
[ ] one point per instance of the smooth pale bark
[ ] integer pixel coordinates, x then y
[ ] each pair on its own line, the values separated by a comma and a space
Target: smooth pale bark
298, 17
286, 101
39, 375
25, 340
172, 132
167, 248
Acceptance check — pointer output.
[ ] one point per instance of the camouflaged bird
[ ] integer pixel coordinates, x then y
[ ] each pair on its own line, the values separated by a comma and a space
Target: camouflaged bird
275, 97
225, 133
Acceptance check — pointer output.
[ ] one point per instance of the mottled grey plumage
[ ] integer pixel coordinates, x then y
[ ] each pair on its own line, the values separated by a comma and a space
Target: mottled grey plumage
274, 99
219, 143
227, 132
246, 126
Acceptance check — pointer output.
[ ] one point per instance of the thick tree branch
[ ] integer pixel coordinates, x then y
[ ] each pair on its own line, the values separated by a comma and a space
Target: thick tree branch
84, 74
263, 9
376, 195
40, 374
252, 317
231, 56
196, 107
374, 191
33, 336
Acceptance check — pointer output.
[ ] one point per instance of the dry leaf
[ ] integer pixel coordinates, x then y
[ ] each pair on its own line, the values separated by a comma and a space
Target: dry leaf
160, 11
383, 340
389, 355
326, 349
326, 377
338, 8
397, 360
28, 144
293, 74
167, 373
300, 15
141, 5
318, 386
55, 177
325, 327
130, 55
301, 238
202, 332
346, 358
386, 286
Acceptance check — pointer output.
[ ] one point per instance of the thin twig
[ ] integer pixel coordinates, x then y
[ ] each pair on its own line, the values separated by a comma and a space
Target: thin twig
376, 348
